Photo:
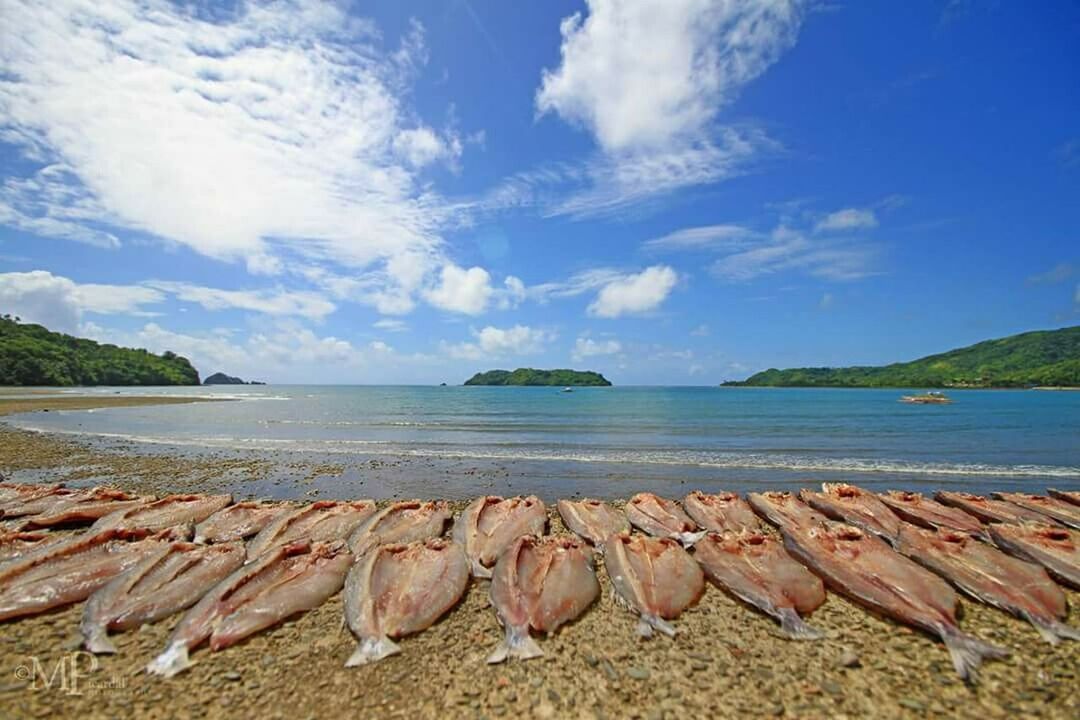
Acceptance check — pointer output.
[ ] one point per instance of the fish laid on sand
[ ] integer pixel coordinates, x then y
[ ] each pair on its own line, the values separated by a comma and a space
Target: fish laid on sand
593, 520
1055, 548
491, 524
67, 572
401, 523
25, 500
1063, 512
755, 568
653, 577
990, 576
855, 506
661, 517
1070, 496
920, 510
987, 510
10, 491
286, 580
862, 566
322, 521
781, 508
16, 543
720, 512
165, 582
85, 507
169, 511
395, 590
540, 584
239, 521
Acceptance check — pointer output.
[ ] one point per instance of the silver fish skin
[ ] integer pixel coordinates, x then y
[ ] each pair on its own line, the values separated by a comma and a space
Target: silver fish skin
863, 567
654, 578
592, 520
167, 512
755, 568
165, 582
490, 524
922, 511
394, 590
855, 506
322, 521
1070, 496
16, 543
401, 523
781, 508
25, 500
1059, 510
84, 507
1054, 547
990, 576
987, 510
285, 580
661, 517
721, 512
66, 573
540, 584
238, 521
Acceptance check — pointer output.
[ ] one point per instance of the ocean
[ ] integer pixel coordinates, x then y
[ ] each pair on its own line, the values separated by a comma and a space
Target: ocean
611, 442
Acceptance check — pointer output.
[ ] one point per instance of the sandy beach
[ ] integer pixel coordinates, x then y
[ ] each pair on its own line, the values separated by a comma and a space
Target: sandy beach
727, 660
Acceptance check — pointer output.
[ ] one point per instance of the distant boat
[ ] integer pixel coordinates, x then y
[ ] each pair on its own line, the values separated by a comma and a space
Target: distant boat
567, 389
930, 398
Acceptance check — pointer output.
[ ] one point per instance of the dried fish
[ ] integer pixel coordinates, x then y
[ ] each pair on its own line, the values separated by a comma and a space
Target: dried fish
400, 523
1070, 496
861, 566
321, 521
987, 510
540, 584
85, 506
396, 590
167, 581
167, 512
1055, 548
490, 524
720, 512
661, 517
1063, 512
855, 506
990, 576
593, 520
238, 521
653, 577
782, 508
16, 543
285, 580
755, 568
915, 508
24, 500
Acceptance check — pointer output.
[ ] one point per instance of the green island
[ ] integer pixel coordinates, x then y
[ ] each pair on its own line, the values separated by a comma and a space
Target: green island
33, 355
1044, 358
531, 376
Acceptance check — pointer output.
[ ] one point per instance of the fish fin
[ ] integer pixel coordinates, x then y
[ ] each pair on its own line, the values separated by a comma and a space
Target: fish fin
517, 643
479, 571
1053, 631
968, 652
689, 538
171, 662
794, 627
96, 640
647, 623
372, 650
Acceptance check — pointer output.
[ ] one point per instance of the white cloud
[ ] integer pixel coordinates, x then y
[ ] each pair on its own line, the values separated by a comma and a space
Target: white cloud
649, 73
634, 294
578, 284
788, 249
275, 130
59, 303
460, 290
391, 325
701, 238
587, 347
493, 342
700, 331
847, 219
826, 301
271, 302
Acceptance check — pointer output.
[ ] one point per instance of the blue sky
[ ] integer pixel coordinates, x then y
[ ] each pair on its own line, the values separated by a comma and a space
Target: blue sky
667, 191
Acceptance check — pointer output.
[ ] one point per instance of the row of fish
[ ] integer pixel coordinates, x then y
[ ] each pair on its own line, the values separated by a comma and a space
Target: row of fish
136, 564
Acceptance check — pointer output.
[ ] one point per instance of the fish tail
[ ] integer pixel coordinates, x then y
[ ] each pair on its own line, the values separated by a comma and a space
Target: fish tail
372, 650
517, 643
171, 662
1051, 630
794, 627
96, 639
648, 623
689, 538
968, 652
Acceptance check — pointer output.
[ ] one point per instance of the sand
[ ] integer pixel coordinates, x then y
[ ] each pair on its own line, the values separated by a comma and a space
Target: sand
727, 661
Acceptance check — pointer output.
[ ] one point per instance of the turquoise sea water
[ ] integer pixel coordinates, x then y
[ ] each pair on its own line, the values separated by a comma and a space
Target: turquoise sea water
611, 441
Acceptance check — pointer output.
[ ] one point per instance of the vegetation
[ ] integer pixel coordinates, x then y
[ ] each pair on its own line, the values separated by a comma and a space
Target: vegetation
223, 379
33, 355
1050, 357
529, 376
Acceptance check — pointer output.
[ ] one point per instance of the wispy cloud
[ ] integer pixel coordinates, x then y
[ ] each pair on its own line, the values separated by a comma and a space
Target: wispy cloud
585, 347
1068, 153
391, 325
707, 237
301, 303
1057, 274
847, 219
788, 249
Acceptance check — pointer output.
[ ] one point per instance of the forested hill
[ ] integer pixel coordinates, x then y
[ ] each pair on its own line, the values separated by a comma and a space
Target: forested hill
33, 355
529, 376
1045, 357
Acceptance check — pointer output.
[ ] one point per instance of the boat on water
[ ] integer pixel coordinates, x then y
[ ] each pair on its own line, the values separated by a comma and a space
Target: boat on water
567, 389
929, 398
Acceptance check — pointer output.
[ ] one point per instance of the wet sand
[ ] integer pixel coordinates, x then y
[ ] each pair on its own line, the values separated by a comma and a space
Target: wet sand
727, 661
